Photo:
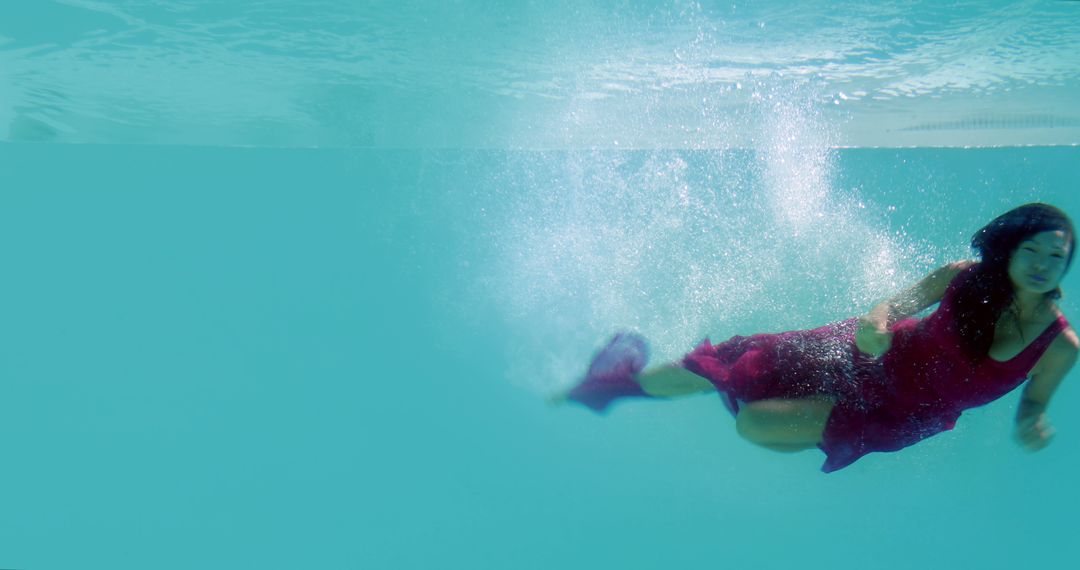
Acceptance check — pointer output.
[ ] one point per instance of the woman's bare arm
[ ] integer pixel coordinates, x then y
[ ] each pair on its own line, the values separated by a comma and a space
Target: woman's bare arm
1033, 430
873, 336
918, 297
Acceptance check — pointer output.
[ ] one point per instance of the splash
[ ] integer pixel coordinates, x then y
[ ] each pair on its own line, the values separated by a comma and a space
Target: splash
685, 244
832, 238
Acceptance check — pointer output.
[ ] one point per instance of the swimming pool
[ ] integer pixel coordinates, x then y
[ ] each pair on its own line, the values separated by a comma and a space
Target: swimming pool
288, 287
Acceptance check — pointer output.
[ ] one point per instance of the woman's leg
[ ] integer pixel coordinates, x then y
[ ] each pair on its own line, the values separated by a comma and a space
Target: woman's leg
777, 424
784, 425
672, 381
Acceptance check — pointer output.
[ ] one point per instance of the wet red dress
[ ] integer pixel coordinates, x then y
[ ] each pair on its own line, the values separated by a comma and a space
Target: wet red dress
917, 389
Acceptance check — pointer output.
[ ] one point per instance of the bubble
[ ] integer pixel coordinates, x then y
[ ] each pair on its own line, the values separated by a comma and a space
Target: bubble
683, 244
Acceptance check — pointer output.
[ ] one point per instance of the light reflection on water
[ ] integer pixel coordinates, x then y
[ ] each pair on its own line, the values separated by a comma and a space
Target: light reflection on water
476, 74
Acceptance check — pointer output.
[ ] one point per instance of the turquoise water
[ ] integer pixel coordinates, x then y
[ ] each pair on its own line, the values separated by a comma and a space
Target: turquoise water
278, 358
289, 288
534, 74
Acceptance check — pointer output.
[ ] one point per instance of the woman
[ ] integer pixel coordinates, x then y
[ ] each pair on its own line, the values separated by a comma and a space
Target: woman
886, 380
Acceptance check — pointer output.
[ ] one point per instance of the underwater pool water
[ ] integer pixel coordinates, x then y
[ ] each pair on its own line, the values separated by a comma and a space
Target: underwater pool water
289, 287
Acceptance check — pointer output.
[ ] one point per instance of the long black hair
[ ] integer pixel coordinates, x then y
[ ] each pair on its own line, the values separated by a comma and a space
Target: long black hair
988, 291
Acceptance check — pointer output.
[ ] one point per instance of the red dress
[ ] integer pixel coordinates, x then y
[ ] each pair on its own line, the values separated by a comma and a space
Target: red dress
915, 390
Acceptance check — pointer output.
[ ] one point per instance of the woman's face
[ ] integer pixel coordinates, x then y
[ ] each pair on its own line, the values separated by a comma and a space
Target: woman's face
1038, 264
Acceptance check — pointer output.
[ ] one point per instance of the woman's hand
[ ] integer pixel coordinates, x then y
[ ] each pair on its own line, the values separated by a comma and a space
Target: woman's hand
1034, 432
872, 336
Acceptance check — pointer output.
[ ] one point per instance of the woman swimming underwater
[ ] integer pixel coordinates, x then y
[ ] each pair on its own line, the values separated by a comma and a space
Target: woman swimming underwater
884, 381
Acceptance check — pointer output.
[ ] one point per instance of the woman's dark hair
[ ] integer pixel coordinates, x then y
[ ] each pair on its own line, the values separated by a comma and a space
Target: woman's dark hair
988, 291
